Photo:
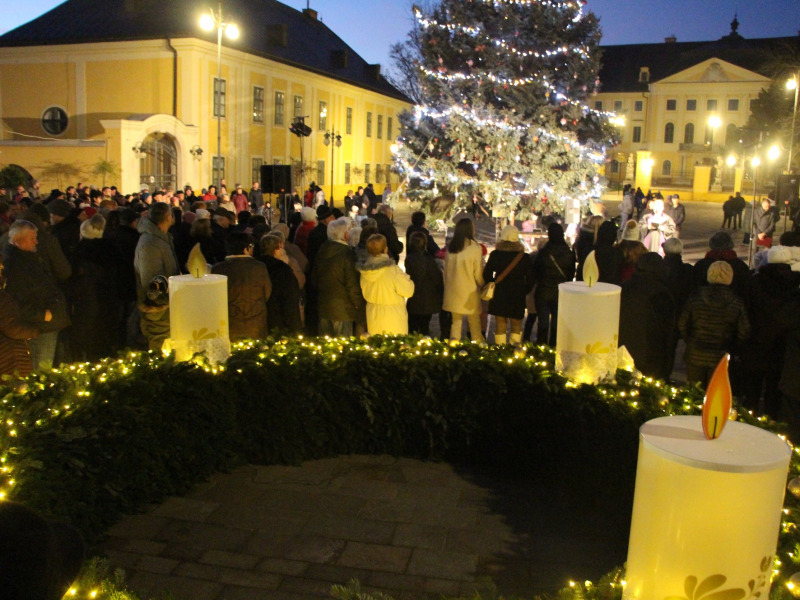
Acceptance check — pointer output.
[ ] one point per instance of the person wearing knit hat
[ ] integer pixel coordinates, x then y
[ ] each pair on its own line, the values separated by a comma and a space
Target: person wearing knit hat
512, 271
92, 227
713, 322
721, 248
631, 231
631, 248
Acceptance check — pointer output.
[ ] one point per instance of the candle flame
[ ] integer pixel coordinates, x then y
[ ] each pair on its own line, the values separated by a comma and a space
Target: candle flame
197, 262
717, 404
591, 273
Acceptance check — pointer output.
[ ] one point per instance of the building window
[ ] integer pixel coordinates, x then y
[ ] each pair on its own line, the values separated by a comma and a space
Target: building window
614, 166
617, 105
388, 172
255, 175
367, 175
598, 105
637, 134
348, 123
369, 124
688, 134
733, 104
644, 75
321, 173
638, 106
753, 104
378, 173
666, 168
297, 107
347, 173
691, 105
258, 104
219, 97
669, 133
55, 120
323, 116
709, 136
380, 127
217, 169
389, 128
280, 99
672, 104
711, 105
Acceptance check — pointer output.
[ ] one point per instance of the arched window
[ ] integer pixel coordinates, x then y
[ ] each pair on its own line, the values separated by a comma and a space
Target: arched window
159, 161
666, 168
669, 133
688, 133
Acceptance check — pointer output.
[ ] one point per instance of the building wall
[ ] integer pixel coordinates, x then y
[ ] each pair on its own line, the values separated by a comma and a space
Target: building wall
124, 82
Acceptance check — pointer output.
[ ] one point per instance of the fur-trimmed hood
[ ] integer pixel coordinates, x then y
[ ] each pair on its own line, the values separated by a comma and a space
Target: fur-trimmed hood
375, 263
504, 246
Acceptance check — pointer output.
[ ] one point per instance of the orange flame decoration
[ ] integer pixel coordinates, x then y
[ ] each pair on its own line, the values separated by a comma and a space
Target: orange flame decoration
717, 405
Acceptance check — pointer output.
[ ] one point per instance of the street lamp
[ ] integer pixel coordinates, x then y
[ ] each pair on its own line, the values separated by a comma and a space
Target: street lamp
793, 84
210, 21
334, 140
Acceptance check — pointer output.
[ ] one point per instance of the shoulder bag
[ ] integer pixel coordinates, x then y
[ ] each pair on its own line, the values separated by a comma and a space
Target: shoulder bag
487, 292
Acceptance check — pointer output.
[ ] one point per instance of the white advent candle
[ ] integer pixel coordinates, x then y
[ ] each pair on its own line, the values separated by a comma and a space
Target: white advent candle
706, 513
588, 330
198, 316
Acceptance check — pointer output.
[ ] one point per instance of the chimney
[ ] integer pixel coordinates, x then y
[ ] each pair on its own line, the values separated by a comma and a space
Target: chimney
670, 39
310, 12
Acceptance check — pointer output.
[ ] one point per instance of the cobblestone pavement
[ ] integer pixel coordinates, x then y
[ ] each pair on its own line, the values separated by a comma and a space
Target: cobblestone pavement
403, 526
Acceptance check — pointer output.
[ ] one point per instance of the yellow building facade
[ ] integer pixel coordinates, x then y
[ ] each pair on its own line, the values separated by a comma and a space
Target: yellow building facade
149, 111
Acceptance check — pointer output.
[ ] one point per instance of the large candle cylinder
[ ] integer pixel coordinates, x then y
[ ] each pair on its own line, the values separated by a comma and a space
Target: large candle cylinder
588, 330
706, 513
198, 316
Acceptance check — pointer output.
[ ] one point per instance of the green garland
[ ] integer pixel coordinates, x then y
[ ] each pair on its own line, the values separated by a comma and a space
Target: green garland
89, 442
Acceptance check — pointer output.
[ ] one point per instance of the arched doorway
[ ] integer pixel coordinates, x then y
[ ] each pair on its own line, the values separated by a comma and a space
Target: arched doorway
159, 162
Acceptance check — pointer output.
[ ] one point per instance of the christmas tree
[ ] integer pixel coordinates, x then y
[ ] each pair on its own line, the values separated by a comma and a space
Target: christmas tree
504, 114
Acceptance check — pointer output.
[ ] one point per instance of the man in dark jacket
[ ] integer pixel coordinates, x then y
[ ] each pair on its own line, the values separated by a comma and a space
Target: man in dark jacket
764, 223
418, 224
554, 264
383, 218
319, 235
249, 288
124, 238
41, 302
257, 199
714, 321
283, 306
649, 325
65, 225
335, 279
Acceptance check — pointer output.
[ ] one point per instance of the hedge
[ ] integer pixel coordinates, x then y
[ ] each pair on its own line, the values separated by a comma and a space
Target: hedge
90, 442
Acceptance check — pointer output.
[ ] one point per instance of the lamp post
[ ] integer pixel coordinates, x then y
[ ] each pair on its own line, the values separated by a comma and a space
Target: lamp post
334, 140
793, 84
210, 21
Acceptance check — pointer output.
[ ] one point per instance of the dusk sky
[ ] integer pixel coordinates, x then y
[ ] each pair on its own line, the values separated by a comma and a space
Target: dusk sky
371, 26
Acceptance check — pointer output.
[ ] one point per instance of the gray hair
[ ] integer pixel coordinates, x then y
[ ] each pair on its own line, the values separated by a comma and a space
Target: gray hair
338, 228
277, 233
384, 209
269, 244
19, 227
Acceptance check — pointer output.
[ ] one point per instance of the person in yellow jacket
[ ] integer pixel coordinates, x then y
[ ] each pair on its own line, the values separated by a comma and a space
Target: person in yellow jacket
385, 287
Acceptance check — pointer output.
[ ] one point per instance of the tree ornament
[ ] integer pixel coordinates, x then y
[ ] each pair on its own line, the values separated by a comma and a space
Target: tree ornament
794, 487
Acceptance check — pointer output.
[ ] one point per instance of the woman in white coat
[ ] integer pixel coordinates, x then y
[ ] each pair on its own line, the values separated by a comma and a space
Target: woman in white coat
385, 287
463, 279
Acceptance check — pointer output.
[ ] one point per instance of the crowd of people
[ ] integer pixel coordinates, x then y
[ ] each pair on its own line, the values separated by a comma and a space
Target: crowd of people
86, 274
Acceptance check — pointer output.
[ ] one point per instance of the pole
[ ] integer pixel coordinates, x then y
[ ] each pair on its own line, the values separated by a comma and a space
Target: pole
752, 221
333, 146
794, 119
217, 98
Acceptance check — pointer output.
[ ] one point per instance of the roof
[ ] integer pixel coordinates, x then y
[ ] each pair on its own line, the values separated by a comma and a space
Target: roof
268, 29
621, 64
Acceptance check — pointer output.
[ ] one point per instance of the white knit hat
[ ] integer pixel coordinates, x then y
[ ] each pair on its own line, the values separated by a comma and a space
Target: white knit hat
779, 254
308, 214
720, 272
92, 228
202, 213
631, 231
509, 233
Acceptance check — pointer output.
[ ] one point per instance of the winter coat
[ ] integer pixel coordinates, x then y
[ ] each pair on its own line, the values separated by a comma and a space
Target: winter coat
335, 279
713, 322
155, 255
548, 275
428, 284
240, 203
125, 240
678, 214
771, 287
14, 355
463, 279
741, 272
509, 294
68, 234
583, 245
432, 247
763, 221
385, 288
35, 290
655, 230
301, 235
387, 230
283, 306
679, 278
249, 288
256, 199
316, 237
649, 324
95, 291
